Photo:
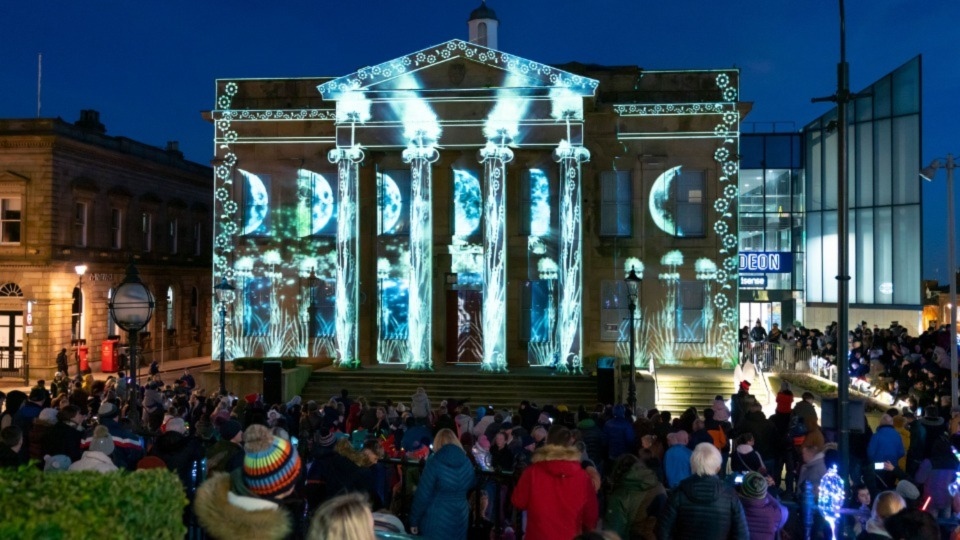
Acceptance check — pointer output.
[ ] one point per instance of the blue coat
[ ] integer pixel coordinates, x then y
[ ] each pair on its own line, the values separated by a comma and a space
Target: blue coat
620, 436
442, 490
676, 464
885, 445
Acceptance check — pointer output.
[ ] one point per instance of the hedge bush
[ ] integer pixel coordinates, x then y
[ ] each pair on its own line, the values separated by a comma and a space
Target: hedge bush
256, 363
90, 505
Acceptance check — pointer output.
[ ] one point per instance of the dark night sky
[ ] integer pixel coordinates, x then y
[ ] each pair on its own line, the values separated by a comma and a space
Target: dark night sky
149, 67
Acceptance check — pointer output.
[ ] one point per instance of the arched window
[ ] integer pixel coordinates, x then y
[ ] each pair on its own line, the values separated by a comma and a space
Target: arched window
482, 34
76, 315
171, 310
10, 289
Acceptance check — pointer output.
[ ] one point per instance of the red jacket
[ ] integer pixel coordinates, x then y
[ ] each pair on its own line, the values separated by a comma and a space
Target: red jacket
557, 494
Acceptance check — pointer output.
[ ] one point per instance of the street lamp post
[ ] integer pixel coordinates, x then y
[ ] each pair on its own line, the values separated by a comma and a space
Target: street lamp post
928, 174
223, 291
131, 307
633, 285
312, 283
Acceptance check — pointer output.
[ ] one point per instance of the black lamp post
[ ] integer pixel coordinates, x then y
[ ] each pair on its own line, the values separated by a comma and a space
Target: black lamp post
223, 290
312, 283
633, 285
131, 306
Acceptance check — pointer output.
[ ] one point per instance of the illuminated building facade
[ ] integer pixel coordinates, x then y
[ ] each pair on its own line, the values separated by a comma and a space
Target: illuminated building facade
463, 205
72, 196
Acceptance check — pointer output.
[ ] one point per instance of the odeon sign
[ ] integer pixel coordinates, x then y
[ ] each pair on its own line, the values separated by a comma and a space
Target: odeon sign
776, 262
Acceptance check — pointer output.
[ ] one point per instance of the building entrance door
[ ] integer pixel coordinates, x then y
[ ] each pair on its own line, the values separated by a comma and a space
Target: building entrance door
464, 328
11, 340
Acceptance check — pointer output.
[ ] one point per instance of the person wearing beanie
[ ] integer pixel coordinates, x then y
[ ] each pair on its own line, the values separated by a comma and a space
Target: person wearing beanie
765, 515
97, 457
721, 413
256, 497
619, 434
226, 455
128, 447
784, 398
57, 463
178, 450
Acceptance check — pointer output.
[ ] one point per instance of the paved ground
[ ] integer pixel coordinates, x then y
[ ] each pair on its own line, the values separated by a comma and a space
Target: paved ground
170, 370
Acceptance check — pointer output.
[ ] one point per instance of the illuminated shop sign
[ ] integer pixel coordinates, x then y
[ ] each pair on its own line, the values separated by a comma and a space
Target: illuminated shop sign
774, 262
753, 282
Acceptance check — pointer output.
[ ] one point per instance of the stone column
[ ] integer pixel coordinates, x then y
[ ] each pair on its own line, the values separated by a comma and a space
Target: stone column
569, 318
420, 331
348, 250
495, 158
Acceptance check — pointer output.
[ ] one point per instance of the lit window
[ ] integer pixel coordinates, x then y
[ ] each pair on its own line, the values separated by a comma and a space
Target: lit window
171, 310
256, 307
535, 203
689, 210
322, 310
616, 204
614, 311
536, 322
10, 220
690, 300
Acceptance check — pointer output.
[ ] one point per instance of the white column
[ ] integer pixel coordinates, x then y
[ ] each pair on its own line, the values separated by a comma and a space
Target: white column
348, 250
569, 318
495, 158
421, 159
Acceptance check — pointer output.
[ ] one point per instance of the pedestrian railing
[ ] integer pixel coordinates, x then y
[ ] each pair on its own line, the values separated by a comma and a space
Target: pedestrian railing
12, 365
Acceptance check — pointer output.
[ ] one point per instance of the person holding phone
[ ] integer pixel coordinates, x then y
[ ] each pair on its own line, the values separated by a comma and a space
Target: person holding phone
886, 446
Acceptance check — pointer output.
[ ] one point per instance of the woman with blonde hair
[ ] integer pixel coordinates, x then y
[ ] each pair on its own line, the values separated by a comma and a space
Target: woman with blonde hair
885, 505
447, 477
346, 517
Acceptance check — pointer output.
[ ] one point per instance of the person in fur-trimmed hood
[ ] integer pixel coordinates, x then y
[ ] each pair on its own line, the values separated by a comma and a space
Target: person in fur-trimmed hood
255, 497
556, 492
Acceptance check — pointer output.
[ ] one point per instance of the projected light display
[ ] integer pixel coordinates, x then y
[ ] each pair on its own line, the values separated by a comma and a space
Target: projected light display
297, 266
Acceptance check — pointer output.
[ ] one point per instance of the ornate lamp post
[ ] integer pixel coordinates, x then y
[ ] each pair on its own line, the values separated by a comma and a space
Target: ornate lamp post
131, 306
223, 290
81, 269
633, 286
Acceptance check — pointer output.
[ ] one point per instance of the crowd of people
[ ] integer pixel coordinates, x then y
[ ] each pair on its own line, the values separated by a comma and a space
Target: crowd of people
347, 467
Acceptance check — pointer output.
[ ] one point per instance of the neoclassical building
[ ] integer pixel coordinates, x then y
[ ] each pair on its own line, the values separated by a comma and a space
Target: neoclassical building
463, 205
74, 198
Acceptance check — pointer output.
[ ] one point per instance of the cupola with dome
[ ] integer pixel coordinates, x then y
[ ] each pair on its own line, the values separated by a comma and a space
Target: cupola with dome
483, 25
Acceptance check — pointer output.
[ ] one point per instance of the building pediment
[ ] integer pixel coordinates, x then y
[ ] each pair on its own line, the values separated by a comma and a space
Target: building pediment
10, 177
444, 67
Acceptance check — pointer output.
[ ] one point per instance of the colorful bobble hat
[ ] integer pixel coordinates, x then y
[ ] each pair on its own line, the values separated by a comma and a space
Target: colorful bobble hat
271, 465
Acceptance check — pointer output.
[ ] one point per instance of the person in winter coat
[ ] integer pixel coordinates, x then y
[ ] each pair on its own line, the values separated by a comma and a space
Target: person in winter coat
420, 406
885, 505
813, 468
702, 507
936, 473
765, 516
746, 458
676, 460
254, 500
555, 491
97, 457
65, 436
619, 434
446, 479
178, 450
886, 446
592, 437
464, 421
634, 501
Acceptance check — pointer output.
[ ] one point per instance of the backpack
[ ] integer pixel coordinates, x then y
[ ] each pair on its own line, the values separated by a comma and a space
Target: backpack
719, 438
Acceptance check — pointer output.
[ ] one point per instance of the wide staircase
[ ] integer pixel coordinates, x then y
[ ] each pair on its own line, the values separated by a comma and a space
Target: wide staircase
462, 383
680, 388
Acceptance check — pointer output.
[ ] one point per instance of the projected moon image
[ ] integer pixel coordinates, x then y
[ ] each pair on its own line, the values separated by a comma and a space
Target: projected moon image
257, 203
661, 205
539, 203
467, 203
322, 202
391, 204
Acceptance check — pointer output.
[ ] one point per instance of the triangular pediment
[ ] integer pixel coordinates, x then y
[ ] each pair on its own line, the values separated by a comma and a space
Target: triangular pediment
442, 66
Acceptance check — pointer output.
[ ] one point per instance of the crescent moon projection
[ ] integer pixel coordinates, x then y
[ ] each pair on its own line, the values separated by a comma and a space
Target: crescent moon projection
321, 203
661, 205
468, 203
390, 205
257, 201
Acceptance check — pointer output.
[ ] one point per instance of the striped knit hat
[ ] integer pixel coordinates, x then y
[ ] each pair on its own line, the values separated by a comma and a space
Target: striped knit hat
271, 465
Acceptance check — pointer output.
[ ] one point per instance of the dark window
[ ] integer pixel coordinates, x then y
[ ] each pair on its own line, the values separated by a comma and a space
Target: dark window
616, 204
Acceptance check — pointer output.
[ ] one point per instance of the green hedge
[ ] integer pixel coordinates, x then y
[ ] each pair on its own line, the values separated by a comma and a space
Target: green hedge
82, 505
256, 363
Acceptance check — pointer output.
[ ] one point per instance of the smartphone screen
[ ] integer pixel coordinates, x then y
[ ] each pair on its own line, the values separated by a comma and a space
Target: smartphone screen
878, 466
738, 479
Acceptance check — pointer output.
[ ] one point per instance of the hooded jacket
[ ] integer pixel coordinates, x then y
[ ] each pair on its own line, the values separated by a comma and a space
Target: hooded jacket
225, 515
420, 405
634, 504
702, 508
885, 445
764, 517
619, 434
179, 452
94, 461
557, 494
442, 491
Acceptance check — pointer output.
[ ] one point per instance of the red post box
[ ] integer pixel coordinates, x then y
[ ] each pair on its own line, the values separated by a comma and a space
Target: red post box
109, 356
82, 351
